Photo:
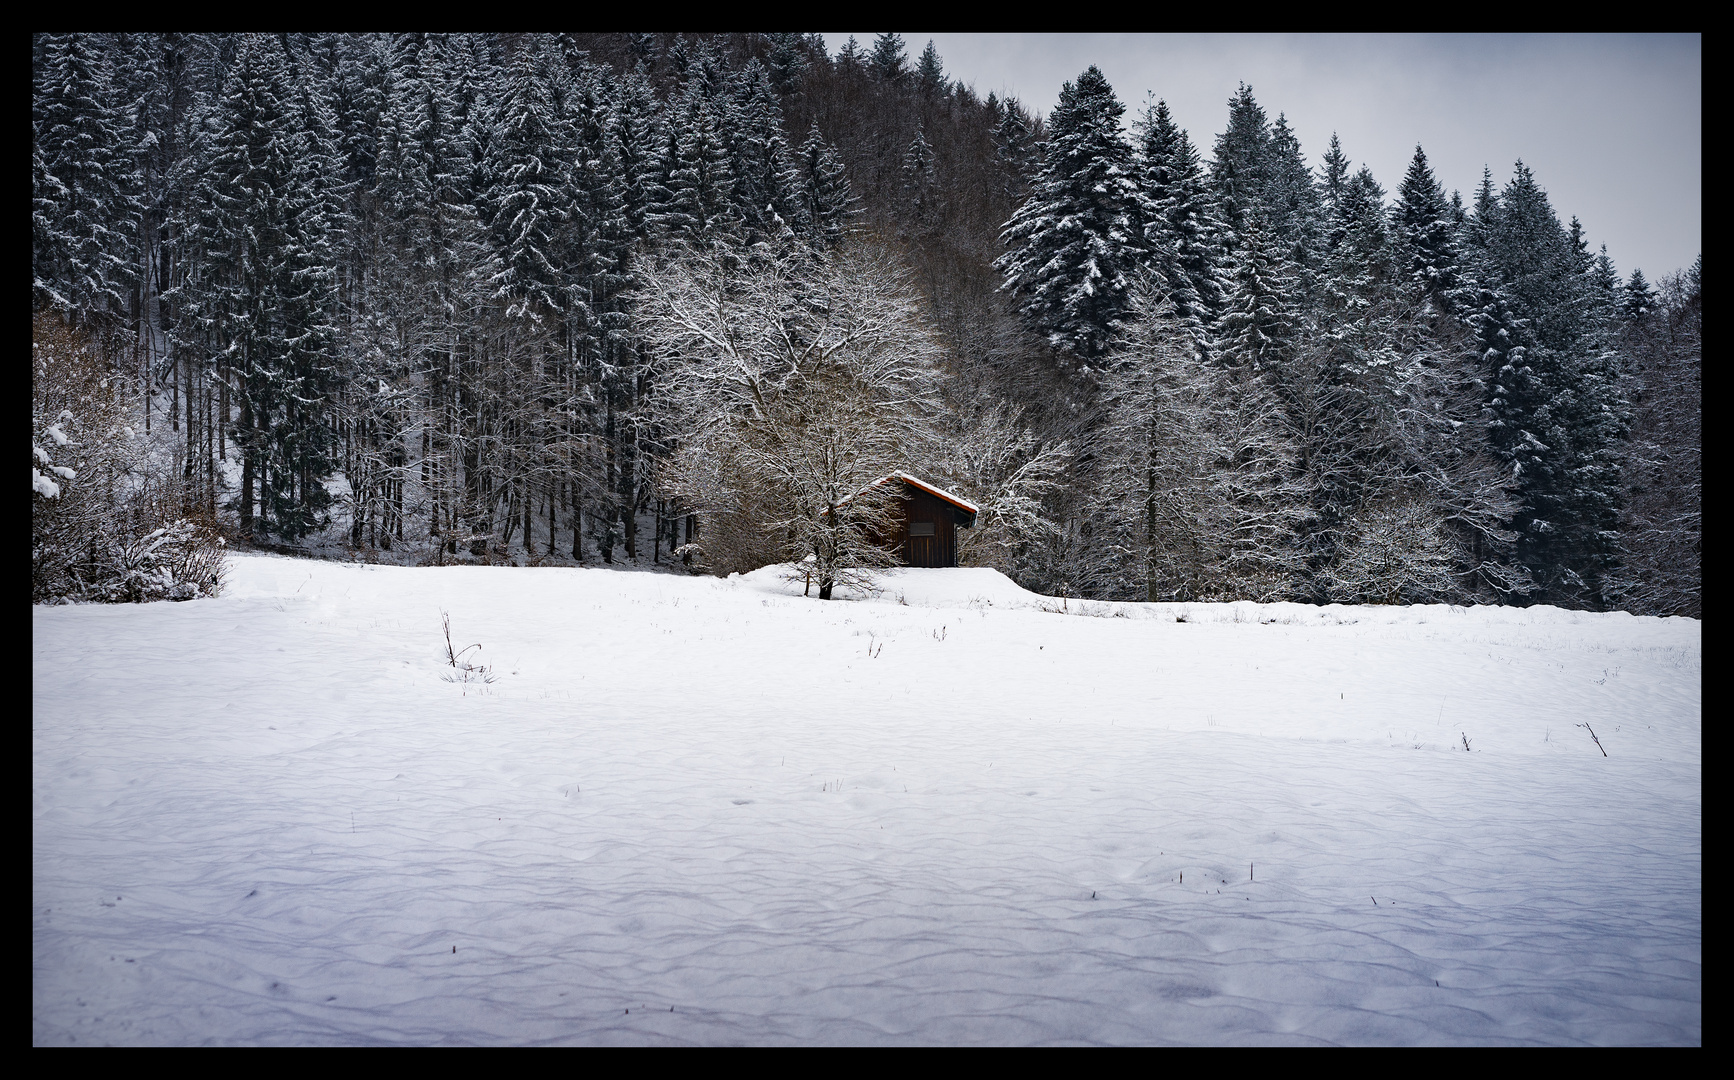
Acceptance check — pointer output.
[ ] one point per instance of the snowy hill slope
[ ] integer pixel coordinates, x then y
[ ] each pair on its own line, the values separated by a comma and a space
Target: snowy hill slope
946, 813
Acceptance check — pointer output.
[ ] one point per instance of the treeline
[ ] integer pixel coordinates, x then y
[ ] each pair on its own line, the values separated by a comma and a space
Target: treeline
414, 290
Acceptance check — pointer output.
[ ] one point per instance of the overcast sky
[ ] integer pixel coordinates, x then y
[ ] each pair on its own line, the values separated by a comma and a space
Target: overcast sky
1611, 125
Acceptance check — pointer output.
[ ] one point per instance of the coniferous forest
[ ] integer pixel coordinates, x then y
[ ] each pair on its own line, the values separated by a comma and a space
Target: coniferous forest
646, 298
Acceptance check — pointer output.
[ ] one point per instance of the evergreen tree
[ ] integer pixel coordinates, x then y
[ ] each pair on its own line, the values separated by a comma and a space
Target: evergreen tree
262, 295
786, 61
82, 260
1637, 301
921, 193
1334, 174
1260, 315
930, 71
528, 200
1558, 415
1177, 222
823, 191
1291, 199
693, 193
1426, 229
888, 60
639, 135
1074, 245
1240, 166
764, 175
1015, 148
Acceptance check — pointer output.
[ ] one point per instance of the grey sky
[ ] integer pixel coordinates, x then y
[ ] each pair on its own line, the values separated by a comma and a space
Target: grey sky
1611, 125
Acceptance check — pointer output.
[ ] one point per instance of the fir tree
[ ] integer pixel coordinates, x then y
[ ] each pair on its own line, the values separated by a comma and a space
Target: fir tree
1260, 314
822, 190
1637, 301
1177, 222
930, 71
888, 60
921, 194
1426, 229
82, 260
528, 200
1074, 245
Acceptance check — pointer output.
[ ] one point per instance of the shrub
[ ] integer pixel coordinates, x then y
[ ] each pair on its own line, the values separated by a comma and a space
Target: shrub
106, 522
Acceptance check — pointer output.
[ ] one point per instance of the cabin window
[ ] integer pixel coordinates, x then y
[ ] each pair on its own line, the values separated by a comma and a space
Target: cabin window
921, 528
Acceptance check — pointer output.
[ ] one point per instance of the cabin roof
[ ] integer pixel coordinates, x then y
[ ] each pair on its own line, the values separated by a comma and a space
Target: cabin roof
937, 492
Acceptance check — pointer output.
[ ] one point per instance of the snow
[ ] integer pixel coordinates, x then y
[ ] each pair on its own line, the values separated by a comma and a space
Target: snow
946, 813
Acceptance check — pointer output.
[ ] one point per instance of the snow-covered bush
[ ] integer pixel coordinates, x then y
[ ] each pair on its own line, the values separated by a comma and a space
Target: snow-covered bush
106, 524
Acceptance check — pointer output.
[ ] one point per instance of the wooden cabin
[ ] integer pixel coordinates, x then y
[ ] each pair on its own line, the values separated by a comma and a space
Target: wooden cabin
929, 518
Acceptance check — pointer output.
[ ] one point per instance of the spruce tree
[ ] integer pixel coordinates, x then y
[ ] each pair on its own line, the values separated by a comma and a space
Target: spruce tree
1637, 300
921, 192
83, 258
823, 191
261, 292
888, 60
930, 71
529, 198
1076, 243
1558, 416
1015, 149
1426, 230
1239, 167
1261, 315
1177, 223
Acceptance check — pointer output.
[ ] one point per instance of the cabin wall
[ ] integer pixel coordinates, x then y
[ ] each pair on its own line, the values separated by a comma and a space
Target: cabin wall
939, 546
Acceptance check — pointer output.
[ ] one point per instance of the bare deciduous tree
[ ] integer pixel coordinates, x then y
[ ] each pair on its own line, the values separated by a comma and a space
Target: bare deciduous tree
792, 379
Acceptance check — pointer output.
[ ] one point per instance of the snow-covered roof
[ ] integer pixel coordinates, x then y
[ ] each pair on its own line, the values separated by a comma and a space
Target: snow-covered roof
939, 492
915, 481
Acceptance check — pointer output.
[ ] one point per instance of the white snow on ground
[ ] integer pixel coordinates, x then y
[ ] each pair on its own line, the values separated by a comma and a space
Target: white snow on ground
700, 811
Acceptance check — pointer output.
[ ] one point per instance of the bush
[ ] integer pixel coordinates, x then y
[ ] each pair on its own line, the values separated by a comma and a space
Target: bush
106, 523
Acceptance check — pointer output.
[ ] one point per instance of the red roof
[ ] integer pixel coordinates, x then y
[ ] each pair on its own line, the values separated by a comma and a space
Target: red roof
939, 493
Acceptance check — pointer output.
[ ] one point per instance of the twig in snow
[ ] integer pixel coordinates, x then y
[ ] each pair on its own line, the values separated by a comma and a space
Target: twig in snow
1598, 742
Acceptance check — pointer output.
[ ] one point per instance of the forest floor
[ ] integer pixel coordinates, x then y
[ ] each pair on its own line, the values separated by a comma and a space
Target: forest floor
954, 812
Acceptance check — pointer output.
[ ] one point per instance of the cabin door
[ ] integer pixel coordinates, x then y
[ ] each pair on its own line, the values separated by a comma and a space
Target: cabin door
922, 548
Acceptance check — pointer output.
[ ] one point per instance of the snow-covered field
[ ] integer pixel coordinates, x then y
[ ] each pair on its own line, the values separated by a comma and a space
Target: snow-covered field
700, 811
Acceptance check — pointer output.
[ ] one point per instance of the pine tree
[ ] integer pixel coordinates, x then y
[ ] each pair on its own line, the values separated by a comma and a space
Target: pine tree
1637, 301
1015, 148
1260, 315
1239, 168
888, 60
823, 191
921, 192
83, 260
1426, 229
528, 200
1075, 244
930, 71
1177, 222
